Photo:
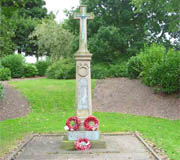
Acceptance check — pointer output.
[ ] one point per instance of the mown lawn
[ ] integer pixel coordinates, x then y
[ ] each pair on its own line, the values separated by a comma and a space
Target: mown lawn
53, 101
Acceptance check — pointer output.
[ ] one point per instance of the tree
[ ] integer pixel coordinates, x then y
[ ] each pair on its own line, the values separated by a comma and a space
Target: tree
34, 9
7, 27
29, 12
6, 34
162, 18
53, 40
101, 44
138, 21
177, 40
24, 26
117, 14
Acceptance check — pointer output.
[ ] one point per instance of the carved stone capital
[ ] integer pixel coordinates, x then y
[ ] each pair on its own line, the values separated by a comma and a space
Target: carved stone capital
83, 57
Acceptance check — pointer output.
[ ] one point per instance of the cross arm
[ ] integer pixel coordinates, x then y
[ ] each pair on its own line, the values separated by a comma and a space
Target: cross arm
90, 15
77, 16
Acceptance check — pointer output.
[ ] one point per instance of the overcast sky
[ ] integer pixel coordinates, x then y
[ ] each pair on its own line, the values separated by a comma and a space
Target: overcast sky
58, 6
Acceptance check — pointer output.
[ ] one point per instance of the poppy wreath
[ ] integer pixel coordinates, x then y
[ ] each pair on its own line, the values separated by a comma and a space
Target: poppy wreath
82, 144
74, 127
89, 127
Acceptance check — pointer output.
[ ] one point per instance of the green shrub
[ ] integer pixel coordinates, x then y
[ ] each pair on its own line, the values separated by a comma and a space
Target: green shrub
1, 65
149, 57
134, 67
42, 67
141, 64
30, 70
156, 68
1, 91
99, 71
62, 69
5, 74
15, 63
166, 76
118, 70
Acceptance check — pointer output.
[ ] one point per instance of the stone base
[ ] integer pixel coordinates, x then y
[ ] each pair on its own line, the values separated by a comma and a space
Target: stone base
69, 145
93, 136
75, 135
118, 147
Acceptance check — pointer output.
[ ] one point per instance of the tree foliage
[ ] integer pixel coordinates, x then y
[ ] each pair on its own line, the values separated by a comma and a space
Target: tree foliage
28, 14
101, 44
162, 18
116, 15
24, 26
6, 34
53, 39
137, 22
33, 9
7, 27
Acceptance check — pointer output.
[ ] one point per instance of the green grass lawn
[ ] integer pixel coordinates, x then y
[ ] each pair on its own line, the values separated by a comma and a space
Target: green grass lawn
53, 101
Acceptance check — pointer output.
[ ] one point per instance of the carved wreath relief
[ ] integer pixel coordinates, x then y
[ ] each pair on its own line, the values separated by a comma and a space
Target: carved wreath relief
83, 69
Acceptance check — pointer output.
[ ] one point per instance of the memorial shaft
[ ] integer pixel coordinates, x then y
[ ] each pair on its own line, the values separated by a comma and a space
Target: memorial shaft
83, 71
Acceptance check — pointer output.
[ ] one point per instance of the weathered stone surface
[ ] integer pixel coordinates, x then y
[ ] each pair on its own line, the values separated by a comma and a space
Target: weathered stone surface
91, 135
83, 16
119, 147
83, 73
82, 93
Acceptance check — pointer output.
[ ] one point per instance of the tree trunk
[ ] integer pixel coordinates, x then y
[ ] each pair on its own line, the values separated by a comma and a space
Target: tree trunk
19, 51
37, 58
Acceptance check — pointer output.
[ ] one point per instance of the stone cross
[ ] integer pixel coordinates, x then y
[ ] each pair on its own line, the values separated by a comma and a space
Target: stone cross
83, 72
83, 82
83, 16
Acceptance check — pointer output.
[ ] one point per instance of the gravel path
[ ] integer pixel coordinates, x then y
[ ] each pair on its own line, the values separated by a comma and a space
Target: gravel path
133, 97
13, 105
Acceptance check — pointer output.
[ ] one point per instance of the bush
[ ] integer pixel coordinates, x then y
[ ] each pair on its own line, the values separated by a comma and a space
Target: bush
42, 67
5, 74
118, 70
141, 64
1, 91
15, 63
134, 67
156, 68
62, 69
1, 65
30, 70
149, 57
166, 76
99, 71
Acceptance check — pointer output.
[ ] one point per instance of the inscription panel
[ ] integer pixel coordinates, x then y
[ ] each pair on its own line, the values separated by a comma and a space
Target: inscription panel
82, 93
91, 135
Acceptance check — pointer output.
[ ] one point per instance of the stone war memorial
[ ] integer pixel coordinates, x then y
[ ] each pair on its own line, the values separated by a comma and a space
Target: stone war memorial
86, 126
82, 139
